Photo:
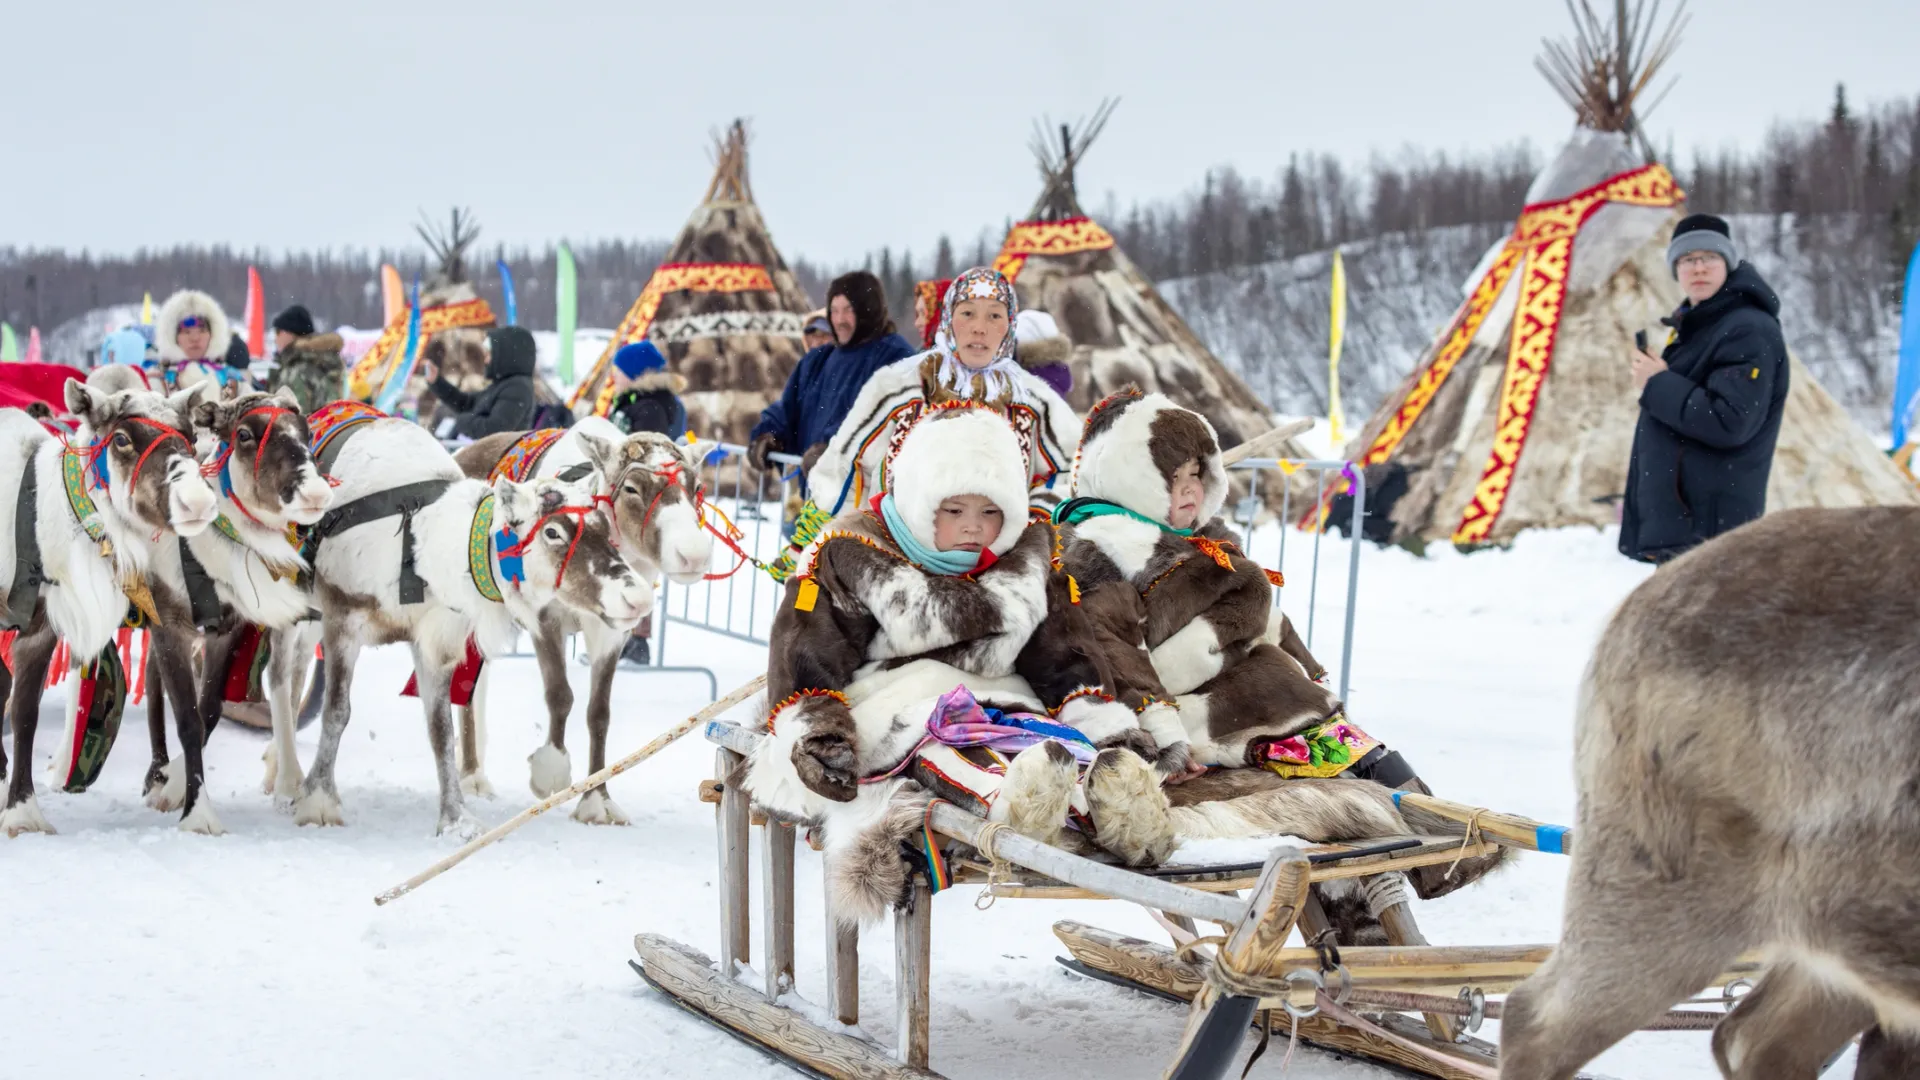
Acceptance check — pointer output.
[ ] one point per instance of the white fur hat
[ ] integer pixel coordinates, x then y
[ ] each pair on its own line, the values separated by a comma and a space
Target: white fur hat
963, 450
1132, 445
166, 326
1031, 326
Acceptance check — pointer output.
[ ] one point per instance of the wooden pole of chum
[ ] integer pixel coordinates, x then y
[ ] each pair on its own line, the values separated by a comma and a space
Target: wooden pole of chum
748, 689
1260, 444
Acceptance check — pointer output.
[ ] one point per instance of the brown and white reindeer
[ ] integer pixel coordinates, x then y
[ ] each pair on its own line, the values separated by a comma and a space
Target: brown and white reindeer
79, 525
653, 487
1747, 762
413, 551
248, 568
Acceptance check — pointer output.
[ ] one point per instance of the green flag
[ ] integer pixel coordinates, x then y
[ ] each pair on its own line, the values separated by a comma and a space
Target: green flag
567, 299
9, 345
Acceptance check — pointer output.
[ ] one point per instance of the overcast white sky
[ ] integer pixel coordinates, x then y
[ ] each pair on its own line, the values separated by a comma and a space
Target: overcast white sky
252, 122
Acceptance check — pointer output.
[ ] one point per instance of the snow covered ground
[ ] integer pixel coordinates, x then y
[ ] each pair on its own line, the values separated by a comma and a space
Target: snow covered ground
135, 950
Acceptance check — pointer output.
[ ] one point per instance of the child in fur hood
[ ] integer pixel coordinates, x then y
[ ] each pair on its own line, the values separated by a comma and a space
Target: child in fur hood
646, 396
973, 360
941, 581
1183, 617
186, 330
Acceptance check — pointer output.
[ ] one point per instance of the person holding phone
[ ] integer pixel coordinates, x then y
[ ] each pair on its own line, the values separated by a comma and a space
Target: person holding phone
1710, 402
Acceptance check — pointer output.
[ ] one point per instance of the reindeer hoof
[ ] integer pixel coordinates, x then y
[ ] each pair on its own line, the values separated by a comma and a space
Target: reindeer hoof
1128, 808
462, 826
318, 808
597, 809
272, 761
24, 818
201, 819
171, 795
476, 784
552, 770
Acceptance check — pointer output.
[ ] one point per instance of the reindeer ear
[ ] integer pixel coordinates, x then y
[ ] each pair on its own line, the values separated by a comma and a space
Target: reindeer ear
695, 454
515, 504
603, 454
208, 416
83, 401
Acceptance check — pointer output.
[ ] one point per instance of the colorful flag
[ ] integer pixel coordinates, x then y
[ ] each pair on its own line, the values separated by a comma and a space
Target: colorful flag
1906, 381
506, 294
146, 309
393, 294
403, 371
567, 315
256, 315
1337, 332
33, 346
9, 345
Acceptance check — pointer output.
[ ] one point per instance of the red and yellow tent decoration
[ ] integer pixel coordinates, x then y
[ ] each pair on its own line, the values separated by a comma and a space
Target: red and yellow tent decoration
1067, 236
1541, 251
371, 371
668, 278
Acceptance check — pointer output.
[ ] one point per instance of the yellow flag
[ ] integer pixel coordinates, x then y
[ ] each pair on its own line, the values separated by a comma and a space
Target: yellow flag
393, 295
1337, 331
146, 310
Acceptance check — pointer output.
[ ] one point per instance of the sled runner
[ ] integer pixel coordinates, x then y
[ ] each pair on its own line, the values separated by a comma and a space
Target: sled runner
1413, 1006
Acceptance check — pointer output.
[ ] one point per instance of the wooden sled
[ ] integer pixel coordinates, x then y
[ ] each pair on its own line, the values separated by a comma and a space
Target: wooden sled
1410, 1005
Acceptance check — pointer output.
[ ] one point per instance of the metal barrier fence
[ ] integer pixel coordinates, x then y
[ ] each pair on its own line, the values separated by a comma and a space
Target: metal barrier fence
741, 607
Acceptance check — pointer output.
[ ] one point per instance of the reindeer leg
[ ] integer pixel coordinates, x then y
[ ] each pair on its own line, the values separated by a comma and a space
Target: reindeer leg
596, 806
217, 657
551, 768
176, 667
6, 693
1788, 1027
156, 722
473, 741
171, 794
435, 677
319, 802
32, 651
1633, 943
286, 666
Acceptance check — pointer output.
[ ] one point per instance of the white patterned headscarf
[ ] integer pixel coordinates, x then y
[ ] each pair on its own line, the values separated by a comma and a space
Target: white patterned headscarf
998, 377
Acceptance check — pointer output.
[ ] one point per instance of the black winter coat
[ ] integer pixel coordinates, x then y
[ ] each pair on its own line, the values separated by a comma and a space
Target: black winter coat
1708, 424
506, 404
657, 409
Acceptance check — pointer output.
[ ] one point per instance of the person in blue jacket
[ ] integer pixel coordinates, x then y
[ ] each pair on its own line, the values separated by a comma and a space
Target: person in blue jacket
826, 381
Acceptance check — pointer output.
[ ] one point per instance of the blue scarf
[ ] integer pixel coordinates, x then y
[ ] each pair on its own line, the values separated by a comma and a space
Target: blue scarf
949, 563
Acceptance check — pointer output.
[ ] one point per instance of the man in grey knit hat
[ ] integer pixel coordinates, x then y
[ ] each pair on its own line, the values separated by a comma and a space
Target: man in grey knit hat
1710, 403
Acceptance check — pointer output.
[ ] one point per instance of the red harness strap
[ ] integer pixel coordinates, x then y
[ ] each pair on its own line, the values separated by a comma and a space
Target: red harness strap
92, 452
218, 466
580, 527
673, 474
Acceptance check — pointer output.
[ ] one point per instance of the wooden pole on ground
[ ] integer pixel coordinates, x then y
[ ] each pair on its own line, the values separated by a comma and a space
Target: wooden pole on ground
748, 689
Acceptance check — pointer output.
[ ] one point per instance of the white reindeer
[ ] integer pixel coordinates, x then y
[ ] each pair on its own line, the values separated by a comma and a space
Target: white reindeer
652, 484
128, 475
546, 541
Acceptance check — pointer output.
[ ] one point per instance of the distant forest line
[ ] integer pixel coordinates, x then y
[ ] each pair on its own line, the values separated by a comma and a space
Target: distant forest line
1861, 163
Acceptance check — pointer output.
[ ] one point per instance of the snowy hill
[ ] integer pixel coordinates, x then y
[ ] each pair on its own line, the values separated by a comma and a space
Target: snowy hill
1269, 322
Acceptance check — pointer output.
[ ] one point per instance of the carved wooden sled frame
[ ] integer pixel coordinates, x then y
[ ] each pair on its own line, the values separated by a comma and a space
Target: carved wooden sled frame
1417, 997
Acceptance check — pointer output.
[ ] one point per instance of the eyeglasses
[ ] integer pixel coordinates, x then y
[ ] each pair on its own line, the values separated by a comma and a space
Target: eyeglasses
1698, 258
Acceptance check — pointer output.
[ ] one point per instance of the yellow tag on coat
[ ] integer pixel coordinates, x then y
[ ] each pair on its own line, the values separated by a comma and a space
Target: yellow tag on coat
809, 592
1755, 375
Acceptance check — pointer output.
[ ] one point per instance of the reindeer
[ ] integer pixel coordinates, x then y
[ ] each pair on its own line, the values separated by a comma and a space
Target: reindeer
251, 566
652, 484
486, 559
74, 550
1747, 759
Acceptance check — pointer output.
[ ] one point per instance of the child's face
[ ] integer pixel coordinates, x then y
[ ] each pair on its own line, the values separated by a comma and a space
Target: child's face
966, 523
1184, 493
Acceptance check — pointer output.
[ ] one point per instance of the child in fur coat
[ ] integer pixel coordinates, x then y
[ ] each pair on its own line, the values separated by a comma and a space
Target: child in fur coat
940, 583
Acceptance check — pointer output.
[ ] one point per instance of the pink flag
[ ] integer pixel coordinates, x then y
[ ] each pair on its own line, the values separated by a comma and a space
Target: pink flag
33, 346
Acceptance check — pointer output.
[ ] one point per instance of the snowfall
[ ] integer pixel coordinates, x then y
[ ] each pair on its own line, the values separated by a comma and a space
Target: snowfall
134, 950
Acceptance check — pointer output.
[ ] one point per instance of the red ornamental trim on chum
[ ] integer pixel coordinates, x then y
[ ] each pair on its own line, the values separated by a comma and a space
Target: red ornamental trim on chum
1541, 250
669, 277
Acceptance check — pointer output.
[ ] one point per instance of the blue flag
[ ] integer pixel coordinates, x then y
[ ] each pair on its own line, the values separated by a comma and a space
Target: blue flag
1906, 380
506, 293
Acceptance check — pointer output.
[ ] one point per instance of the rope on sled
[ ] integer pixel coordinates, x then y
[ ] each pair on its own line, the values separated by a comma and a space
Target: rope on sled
1466, 842
999, 870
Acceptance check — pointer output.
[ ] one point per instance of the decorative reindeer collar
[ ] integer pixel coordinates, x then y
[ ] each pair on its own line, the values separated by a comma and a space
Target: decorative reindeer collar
77, 467
480, 540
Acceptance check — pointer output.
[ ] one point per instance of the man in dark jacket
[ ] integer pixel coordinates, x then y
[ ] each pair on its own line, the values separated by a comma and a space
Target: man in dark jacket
507, 402
1710, 405
825, 383
308, 362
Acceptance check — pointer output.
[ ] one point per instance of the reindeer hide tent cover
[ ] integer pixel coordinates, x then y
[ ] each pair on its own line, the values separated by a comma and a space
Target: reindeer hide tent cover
1520, 414
722, 306
448, 304
1064, 263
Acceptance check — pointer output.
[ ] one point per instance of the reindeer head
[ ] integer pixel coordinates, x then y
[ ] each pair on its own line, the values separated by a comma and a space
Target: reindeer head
265, 464
142, 457
567, 550
652, 482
